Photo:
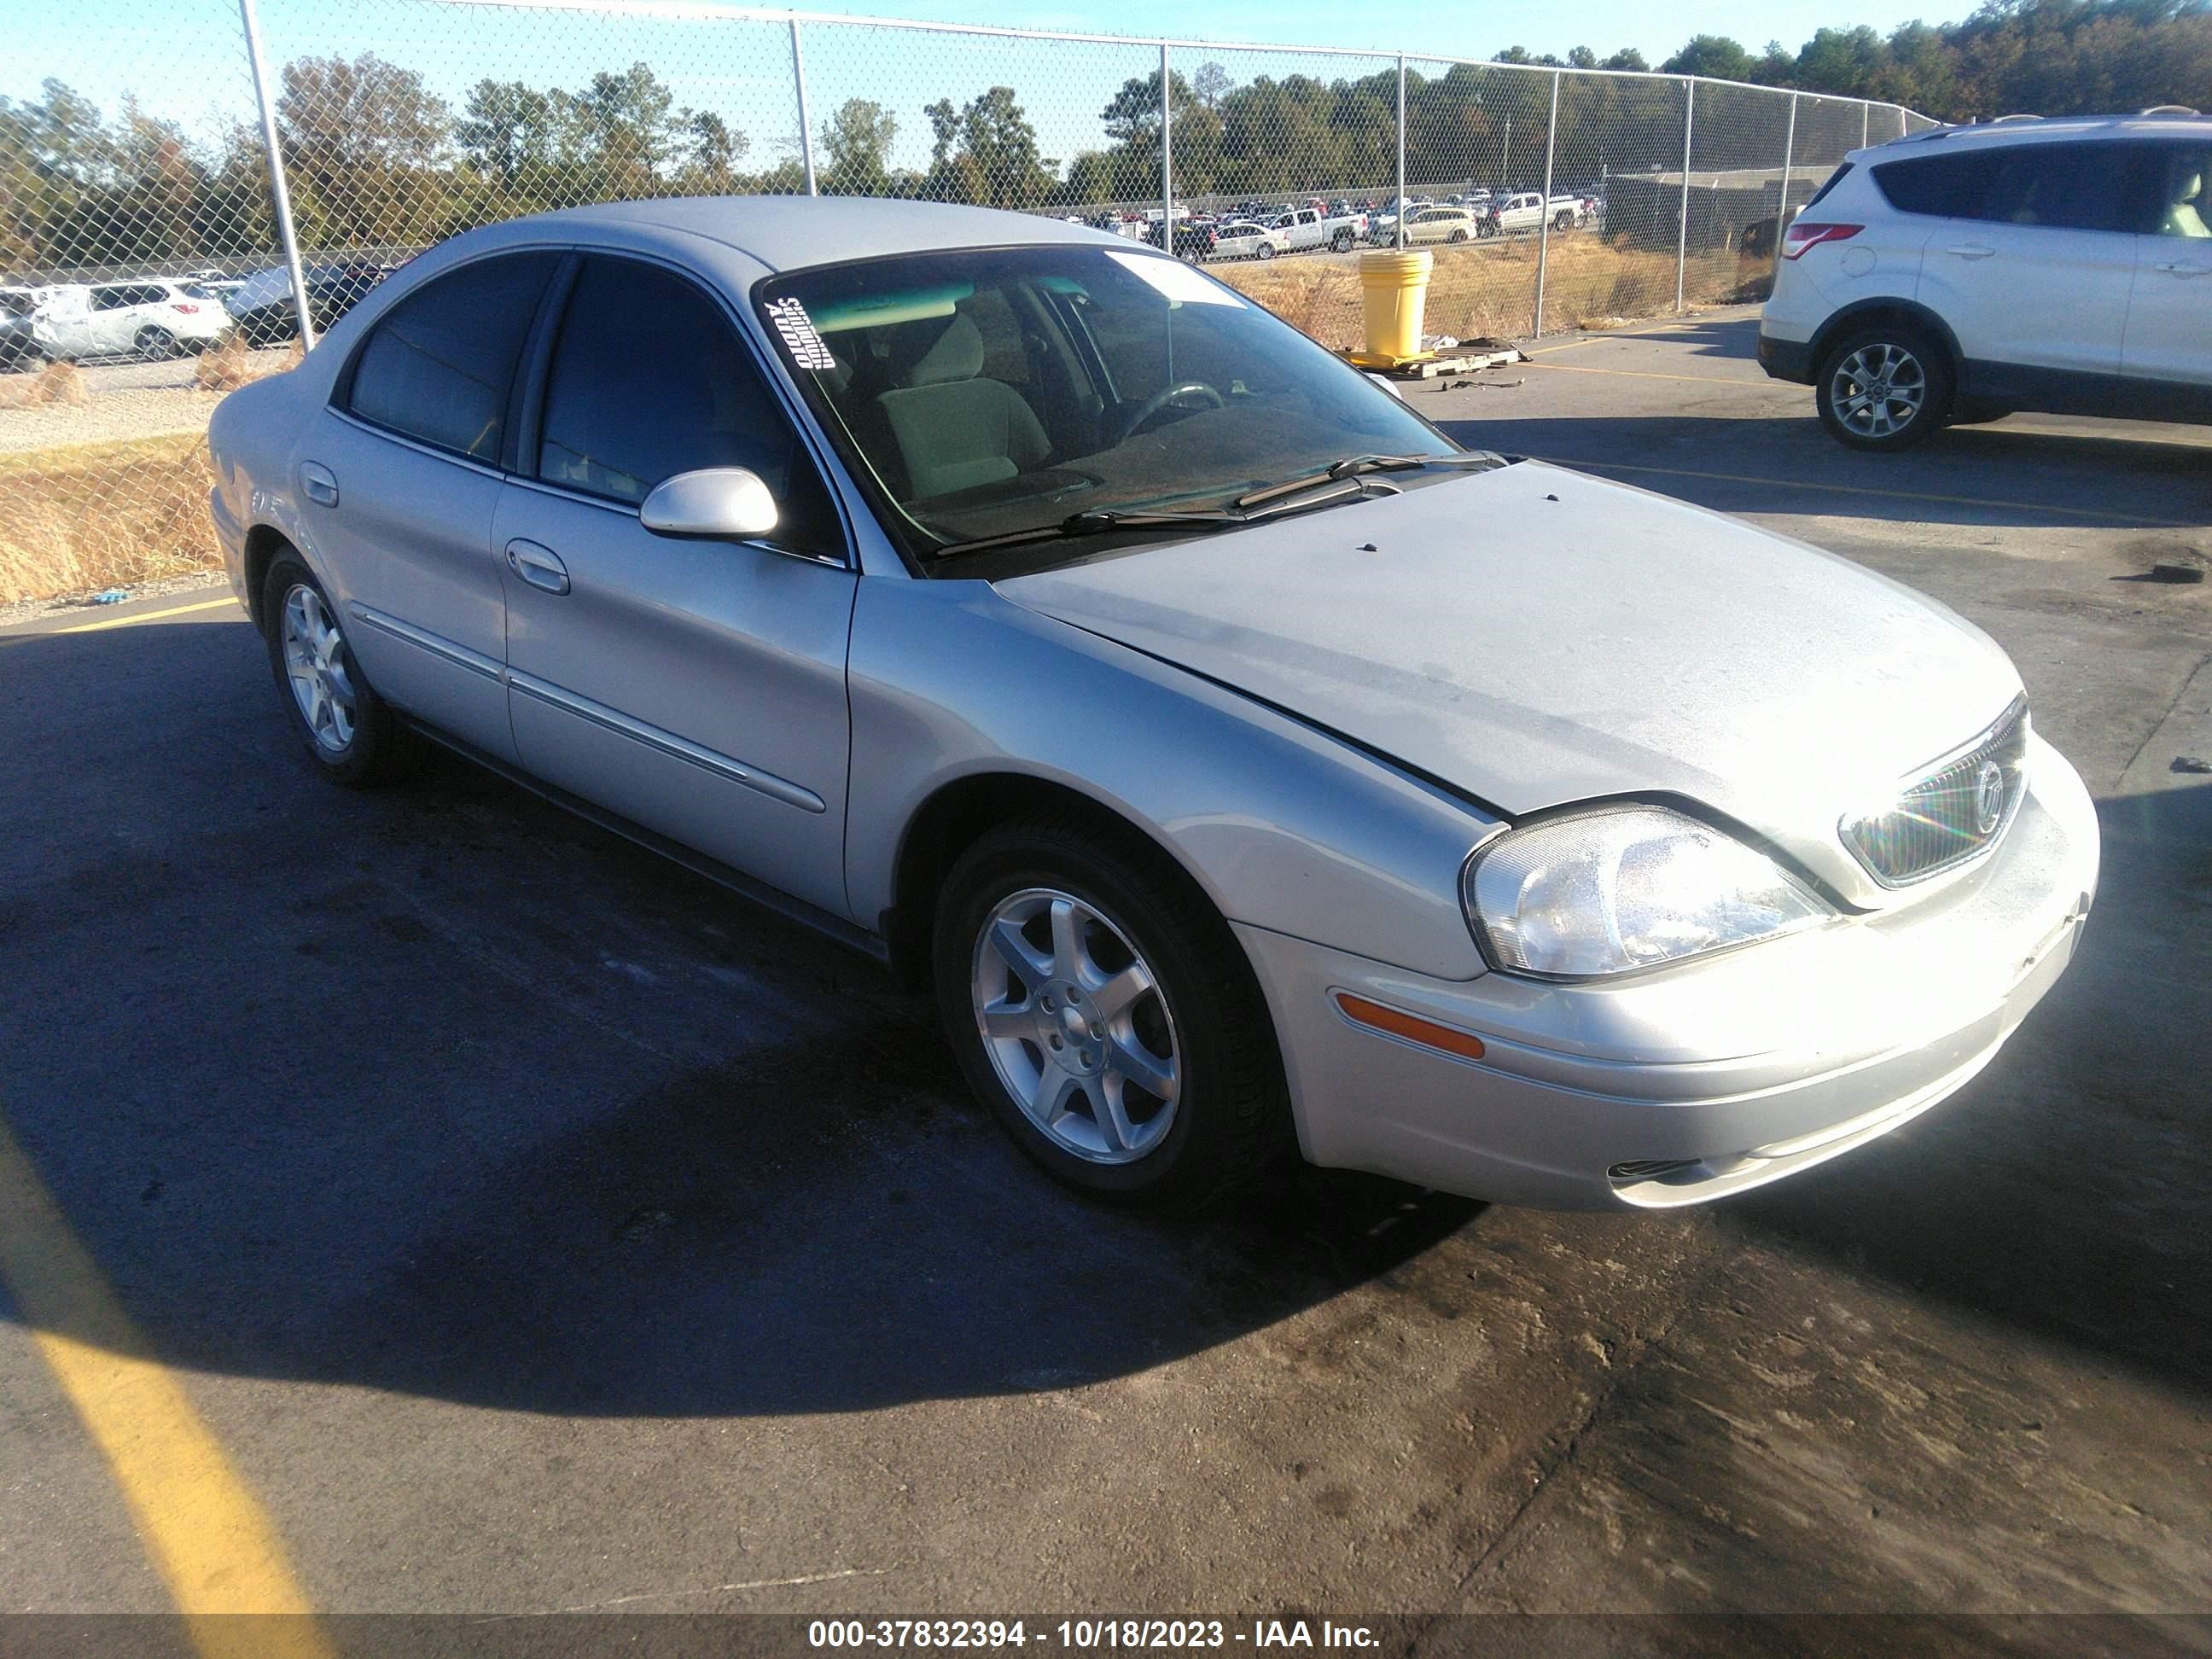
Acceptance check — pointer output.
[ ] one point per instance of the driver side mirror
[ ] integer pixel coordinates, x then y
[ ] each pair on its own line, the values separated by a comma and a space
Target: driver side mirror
729, 503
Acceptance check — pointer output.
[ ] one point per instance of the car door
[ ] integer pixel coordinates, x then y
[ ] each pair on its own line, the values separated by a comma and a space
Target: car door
696, 687
397, 480
2169, 332
2033, 272
112, 319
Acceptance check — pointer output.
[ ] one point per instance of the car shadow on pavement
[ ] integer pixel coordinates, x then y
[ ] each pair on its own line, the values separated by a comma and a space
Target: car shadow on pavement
439, 1090
2067, 1190
1996, 475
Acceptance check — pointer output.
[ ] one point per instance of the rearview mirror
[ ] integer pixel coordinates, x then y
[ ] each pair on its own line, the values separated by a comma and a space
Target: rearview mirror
730, 502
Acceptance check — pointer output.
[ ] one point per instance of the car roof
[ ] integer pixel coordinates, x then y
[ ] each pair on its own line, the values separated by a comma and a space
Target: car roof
787, 233
2037, 129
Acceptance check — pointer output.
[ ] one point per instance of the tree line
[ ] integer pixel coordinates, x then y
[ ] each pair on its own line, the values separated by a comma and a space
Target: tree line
375, 158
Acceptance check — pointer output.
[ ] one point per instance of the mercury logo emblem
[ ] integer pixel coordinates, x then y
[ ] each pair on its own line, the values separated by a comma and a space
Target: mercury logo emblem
1989, 797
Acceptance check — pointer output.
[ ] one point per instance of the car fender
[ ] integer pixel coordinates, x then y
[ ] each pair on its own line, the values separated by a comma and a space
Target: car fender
1283, 825
1850, 316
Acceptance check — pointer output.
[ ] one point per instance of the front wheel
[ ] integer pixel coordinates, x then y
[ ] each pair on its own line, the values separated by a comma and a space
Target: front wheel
1106, 1015
355, 736
1883, 388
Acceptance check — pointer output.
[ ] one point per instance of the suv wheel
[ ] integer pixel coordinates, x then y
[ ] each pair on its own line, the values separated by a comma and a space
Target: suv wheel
155, 344
1106, 1015
356, 736
1883, 388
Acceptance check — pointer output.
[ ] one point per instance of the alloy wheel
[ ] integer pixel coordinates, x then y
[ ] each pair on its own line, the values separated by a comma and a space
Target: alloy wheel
315, 662
1879, 390
1076, 1026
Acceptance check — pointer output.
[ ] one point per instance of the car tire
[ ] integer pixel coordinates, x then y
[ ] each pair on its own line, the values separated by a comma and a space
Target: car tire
1341, 241
1562, 220
1459, 236
1264, 251
1486, 229
1883, 388
355, 736
155, 344
1216, 1114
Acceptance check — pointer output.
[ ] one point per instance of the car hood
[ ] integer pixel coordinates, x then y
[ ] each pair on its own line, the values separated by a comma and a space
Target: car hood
1534, 638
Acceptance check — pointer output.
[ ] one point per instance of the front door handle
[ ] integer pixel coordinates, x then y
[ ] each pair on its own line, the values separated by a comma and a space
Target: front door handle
1971, 251
540, 566
2182, 268
318, 483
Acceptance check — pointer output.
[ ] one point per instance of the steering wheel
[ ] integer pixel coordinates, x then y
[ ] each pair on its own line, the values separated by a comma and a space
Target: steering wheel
1160, 399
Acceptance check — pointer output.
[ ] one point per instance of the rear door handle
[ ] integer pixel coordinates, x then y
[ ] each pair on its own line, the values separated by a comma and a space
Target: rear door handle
538, 566
318, 483
1971, 251
2182, 268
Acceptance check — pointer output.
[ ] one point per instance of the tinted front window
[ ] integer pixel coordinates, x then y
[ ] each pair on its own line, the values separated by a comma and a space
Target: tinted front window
2182, 205
438, 368
649, 380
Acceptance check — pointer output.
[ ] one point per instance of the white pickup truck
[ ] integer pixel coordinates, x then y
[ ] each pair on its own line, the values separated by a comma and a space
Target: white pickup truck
1309, 227
1526, 212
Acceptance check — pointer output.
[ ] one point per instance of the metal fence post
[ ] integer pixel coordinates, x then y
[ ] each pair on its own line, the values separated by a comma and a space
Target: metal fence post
280, 197
1544, 226
1782, 202
1167, 158
1398, 207
1866, 124
805, 126
1682, 232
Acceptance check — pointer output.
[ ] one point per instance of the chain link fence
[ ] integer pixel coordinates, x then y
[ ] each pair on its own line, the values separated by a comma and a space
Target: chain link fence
198, 187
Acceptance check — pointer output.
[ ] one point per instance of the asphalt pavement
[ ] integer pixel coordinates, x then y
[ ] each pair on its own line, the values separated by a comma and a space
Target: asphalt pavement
489, 1217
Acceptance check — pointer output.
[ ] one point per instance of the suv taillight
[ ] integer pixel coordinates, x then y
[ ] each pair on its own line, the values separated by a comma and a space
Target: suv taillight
1801, 237
185, 306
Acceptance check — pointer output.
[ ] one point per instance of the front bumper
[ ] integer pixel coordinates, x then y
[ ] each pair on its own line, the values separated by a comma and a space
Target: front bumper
1687, 1082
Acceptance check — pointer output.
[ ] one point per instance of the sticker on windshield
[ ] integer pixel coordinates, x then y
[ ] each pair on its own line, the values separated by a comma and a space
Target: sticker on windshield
1175, 280
799, 338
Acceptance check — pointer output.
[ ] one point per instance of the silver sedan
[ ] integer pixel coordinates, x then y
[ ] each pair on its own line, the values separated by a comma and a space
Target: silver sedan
1240, 764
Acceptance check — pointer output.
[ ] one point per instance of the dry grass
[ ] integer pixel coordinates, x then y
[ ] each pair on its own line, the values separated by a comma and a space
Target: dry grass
1481, 289
231, 366
85, 517
56, 383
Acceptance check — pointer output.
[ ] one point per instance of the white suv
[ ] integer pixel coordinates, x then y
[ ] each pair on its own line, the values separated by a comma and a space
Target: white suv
154, 318
1965, 272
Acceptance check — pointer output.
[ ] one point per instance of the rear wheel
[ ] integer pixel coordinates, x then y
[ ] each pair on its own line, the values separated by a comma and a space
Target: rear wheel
1459, 236
1562, 220
1264, 251
1883, 388
356, 737
1341, 241
155, 344
1106, 1016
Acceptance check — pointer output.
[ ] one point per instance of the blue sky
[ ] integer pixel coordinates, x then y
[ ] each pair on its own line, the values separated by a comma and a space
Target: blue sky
183, 60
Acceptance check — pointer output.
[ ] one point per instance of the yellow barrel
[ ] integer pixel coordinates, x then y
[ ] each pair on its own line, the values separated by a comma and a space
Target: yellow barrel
1393, 288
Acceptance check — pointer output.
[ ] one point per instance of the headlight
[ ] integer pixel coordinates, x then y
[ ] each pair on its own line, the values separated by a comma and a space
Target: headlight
1622, 888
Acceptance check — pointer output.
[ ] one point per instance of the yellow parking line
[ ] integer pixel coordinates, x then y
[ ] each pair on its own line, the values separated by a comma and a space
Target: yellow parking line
1888, 494
147, 616
212, 1545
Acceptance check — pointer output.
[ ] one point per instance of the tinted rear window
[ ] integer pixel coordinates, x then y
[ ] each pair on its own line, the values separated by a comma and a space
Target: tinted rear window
1834, 178
2091, 186
439, 366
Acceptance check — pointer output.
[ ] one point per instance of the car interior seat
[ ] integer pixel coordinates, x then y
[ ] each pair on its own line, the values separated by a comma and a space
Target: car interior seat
955, 429
2184, 213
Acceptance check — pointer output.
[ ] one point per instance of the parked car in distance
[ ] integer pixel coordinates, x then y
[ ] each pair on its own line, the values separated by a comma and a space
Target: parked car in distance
1440, 224
18, 342
1239, 763
1193, 240
262, 308
154, 318
1242, 239
1527, 211
1309, 227
1963, 273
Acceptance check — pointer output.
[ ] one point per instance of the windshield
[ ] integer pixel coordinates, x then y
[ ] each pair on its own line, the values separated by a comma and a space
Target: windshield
988, 391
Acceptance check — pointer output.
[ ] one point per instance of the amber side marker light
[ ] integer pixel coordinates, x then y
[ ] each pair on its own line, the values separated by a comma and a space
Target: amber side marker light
1430, 1035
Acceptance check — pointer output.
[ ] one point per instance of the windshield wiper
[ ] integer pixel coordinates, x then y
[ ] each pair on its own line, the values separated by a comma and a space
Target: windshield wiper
1354, 466
1098, 521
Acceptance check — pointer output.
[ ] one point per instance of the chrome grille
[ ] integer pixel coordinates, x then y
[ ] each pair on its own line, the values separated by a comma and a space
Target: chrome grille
1958, 809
